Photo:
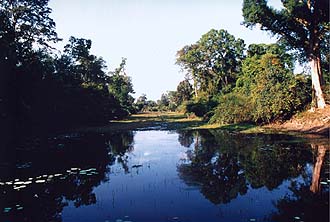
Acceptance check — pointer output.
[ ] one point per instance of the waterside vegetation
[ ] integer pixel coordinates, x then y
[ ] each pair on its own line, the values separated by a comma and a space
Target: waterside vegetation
226, 82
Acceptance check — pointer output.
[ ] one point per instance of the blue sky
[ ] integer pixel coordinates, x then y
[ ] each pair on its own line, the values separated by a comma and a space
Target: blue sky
149, 33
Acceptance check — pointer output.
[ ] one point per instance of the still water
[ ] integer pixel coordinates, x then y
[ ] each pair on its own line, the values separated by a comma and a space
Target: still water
187, 176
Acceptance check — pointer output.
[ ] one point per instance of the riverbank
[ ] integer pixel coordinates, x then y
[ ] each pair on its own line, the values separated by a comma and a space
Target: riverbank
152, 121
307, 122
315, 123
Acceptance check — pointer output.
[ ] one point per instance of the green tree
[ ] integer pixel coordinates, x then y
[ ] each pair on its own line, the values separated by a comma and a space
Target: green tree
303, 25
121, 87
141, 102
222, 56
25, 27
189, 59
151, 106
251, 66
172, 100
85, 67
214, 61
26, 24
164, 101
183, 92
266, 90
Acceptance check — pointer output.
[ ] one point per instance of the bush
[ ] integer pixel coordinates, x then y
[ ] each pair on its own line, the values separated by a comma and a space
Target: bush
274, 97
198, 108
278, 99
201, 107
232, 108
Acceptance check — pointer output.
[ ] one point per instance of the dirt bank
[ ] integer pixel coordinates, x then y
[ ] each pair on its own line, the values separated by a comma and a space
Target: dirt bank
317, 122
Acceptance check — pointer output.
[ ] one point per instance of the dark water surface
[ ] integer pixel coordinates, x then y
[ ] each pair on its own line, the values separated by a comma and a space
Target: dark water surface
205, 175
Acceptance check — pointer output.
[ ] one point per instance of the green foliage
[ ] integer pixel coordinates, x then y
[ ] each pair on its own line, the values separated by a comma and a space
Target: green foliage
89, 104
151, 106
201, 107
121, 87
274, 91
266, 88
45, 91
301, 25
183, 92
198, 108
266, 91
164, 100
141, 103
213, 62
232, 108
168, 101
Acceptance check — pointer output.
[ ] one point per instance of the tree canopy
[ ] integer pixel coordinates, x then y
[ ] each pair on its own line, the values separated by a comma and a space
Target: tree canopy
42, 88
213, 61
302, 25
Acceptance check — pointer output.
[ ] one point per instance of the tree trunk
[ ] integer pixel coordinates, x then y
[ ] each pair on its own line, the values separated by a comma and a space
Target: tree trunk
321, 150
316, 82
195, 86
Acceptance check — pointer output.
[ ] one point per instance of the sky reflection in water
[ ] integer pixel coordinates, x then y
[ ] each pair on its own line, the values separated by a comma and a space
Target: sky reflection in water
172, 176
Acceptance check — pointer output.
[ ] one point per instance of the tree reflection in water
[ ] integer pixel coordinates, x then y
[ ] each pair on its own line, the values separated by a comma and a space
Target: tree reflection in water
224, 165
218, 174
61, 169
310, 199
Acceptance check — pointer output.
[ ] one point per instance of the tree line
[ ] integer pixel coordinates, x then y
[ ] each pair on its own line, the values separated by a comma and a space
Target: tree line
44, 88
226, 81
229, 82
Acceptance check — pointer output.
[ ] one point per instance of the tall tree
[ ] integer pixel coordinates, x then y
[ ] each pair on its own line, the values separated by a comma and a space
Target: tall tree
189, 59
25, 27
222, 55
26, 22
85, 66
303, 25
213, 62
121, 87
183, 91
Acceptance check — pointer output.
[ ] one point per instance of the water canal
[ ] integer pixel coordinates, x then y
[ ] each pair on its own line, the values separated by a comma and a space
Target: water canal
196, 175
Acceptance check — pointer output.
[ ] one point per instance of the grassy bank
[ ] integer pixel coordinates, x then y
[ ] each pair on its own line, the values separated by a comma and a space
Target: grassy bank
153, 120
166, 121
180, 121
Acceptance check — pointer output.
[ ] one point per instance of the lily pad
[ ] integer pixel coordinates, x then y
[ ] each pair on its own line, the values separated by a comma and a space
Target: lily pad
6, 209
19, 182
19, 187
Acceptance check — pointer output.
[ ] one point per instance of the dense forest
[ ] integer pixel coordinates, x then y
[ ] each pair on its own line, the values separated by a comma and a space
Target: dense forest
229, 82
46, 89
225, 82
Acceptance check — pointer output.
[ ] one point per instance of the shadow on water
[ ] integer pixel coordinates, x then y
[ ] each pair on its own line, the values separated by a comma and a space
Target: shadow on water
310, 199
224, 165
39, 176
45, 173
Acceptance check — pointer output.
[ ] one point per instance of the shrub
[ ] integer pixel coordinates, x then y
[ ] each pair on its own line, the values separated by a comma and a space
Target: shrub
201, 107
232, 108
